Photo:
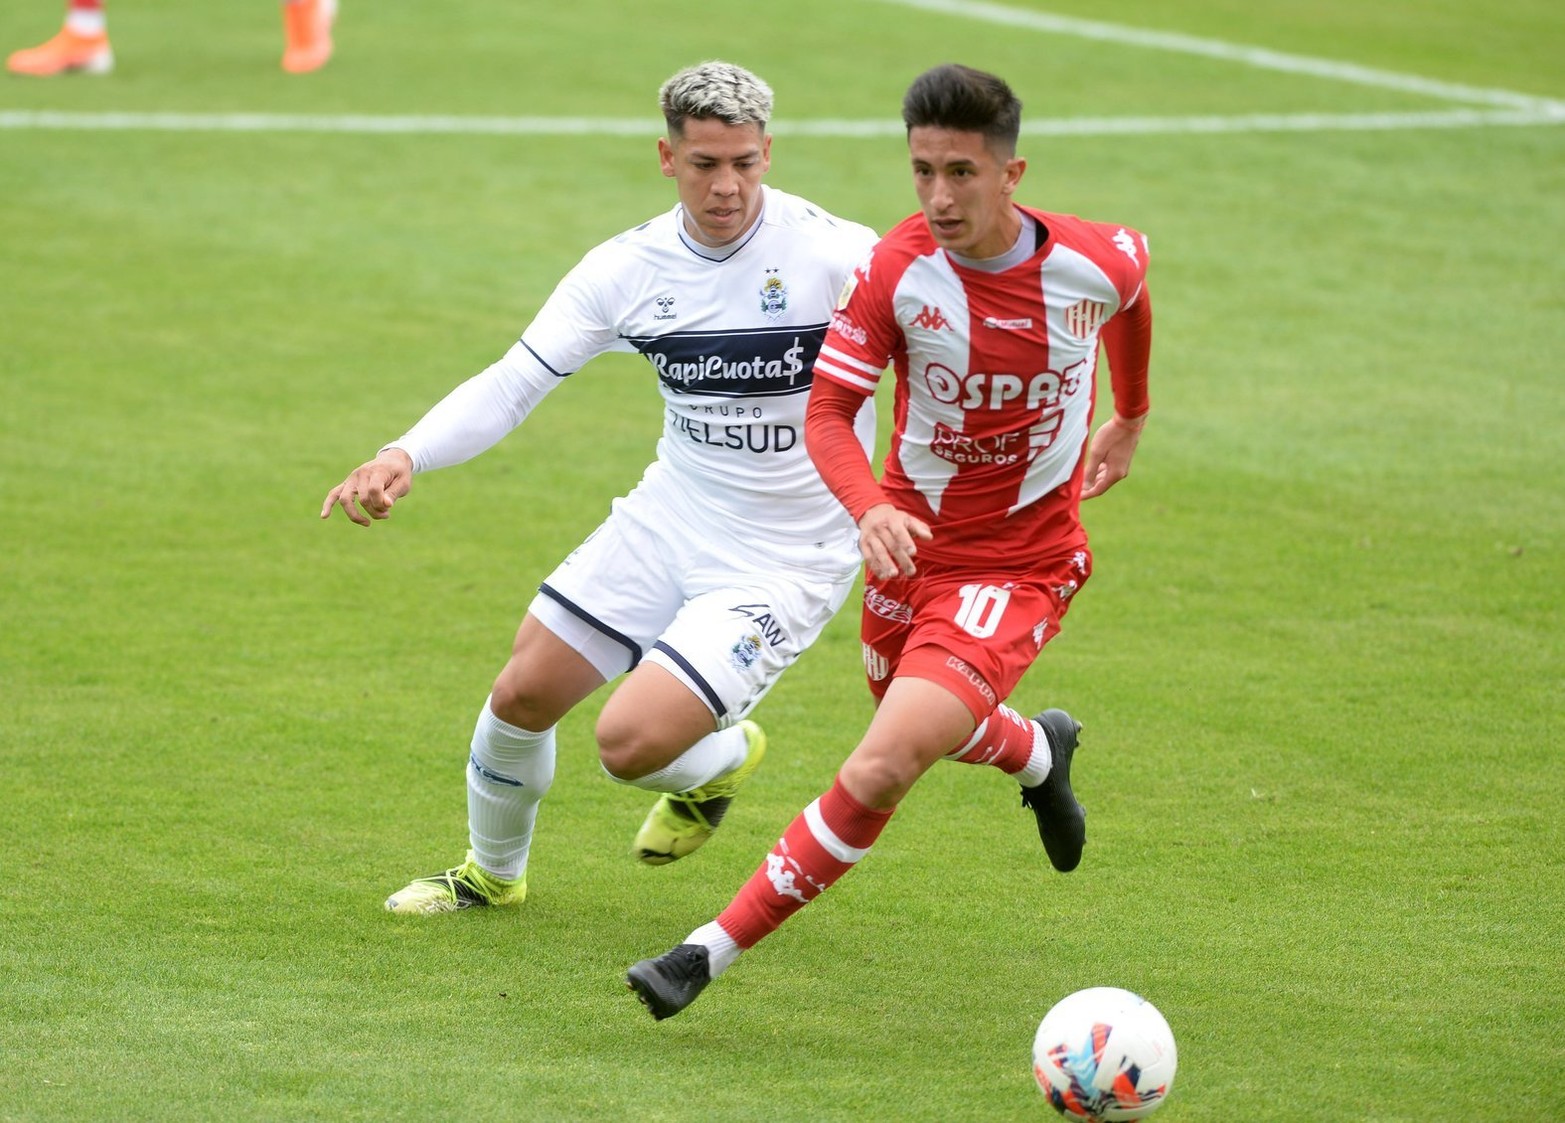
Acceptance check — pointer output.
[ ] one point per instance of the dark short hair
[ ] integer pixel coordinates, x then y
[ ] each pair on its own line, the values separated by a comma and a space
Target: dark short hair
967, 100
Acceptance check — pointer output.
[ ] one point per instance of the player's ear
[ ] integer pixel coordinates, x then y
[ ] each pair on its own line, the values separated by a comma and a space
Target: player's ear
766, 152
666, 156
1015, 168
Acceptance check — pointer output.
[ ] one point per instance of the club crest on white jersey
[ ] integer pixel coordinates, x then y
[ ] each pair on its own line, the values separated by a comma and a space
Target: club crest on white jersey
774, 295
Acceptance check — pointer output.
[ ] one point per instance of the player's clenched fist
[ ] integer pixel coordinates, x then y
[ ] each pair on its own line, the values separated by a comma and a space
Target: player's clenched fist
372, 488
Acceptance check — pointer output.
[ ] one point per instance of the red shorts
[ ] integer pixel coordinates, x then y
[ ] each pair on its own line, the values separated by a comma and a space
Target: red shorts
973, 631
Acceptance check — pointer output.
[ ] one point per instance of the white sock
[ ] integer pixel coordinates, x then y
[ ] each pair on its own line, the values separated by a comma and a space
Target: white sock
1039, 764
721, 950
86, 21
716, 754
509, 771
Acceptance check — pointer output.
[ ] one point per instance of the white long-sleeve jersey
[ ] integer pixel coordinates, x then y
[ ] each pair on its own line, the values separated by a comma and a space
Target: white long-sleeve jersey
732, 339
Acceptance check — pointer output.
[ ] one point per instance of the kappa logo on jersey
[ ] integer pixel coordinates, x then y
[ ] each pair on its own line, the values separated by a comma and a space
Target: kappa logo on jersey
932, 319
1127, 244
774, 295
665, 308
1085, 317
734, 364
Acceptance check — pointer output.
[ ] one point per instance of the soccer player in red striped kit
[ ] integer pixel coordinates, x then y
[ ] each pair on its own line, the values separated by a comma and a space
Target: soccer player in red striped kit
991, 315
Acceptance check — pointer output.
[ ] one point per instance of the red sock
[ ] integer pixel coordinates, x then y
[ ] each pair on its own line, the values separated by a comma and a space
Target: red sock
85, 6
1005, 740
818, 847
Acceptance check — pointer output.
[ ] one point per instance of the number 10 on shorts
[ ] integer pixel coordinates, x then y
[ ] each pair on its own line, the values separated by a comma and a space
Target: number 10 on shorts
982, 607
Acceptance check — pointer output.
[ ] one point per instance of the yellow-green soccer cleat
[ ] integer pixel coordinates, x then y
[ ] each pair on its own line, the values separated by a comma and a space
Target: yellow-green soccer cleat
461, 887
679, 824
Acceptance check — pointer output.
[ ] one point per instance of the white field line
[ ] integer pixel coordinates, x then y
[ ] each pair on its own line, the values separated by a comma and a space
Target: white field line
1258, 57
1240, 123
327, 123
45, 119
1508, 107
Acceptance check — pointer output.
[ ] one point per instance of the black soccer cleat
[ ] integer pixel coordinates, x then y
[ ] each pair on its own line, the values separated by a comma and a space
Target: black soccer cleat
1062, 822
669, 983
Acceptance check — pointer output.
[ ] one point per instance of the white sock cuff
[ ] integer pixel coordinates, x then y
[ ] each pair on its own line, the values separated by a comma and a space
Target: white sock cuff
1039, 763
86, 21
716, 754
721, 950
498, 740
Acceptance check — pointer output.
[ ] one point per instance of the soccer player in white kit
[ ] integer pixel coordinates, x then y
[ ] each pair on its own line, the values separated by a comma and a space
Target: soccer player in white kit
728, 558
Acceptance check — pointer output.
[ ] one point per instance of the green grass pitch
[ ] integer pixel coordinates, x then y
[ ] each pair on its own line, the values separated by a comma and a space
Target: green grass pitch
1321, 665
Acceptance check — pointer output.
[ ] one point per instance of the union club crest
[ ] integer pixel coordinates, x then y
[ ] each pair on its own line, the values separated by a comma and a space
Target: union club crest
1084, 318
774, 295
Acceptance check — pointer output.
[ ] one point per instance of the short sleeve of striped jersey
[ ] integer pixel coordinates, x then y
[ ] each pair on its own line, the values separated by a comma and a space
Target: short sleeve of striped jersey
863, 334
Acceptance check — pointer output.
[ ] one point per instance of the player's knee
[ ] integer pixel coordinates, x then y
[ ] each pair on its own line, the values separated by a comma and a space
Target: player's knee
880, 779
513, 699
628, 751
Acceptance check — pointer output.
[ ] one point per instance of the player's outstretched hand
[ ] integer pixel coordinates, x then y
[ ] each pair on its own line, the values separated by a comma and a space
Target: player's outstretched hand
886, 540
1108, 457
372, 488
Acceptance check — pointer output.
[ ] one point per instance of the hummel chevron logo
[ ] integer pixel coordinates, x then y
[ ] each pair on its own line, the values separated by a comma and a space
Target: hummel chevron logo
932, 319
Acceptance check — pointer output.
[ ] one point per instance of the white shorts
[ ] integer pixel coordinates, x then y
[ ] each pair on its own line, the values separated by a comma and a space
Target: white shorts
662, 579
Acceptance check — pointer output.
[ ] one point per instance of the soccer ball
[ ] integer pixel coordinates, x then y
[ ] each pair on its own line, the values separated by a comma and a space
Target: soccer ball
1104, 1054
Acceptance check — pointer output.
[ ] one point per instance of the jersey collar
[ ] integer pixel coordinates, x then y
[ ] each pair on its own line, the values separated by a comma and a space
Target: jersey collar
1025, 246
723, 252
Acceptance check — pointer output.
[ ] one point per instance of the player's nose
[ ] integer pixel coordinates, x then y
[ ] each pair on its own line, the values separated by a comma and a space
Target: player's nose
939, 195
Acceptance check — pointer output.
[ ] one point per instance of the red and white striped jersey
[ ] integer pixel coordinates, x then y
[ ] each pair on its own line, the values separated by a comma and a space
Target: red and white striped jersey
995, 379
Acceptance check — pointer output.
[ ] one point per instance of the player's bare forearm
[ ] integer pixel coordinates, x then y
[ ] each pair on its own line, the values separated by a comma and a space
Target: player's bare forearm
370, 490
1109, 456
